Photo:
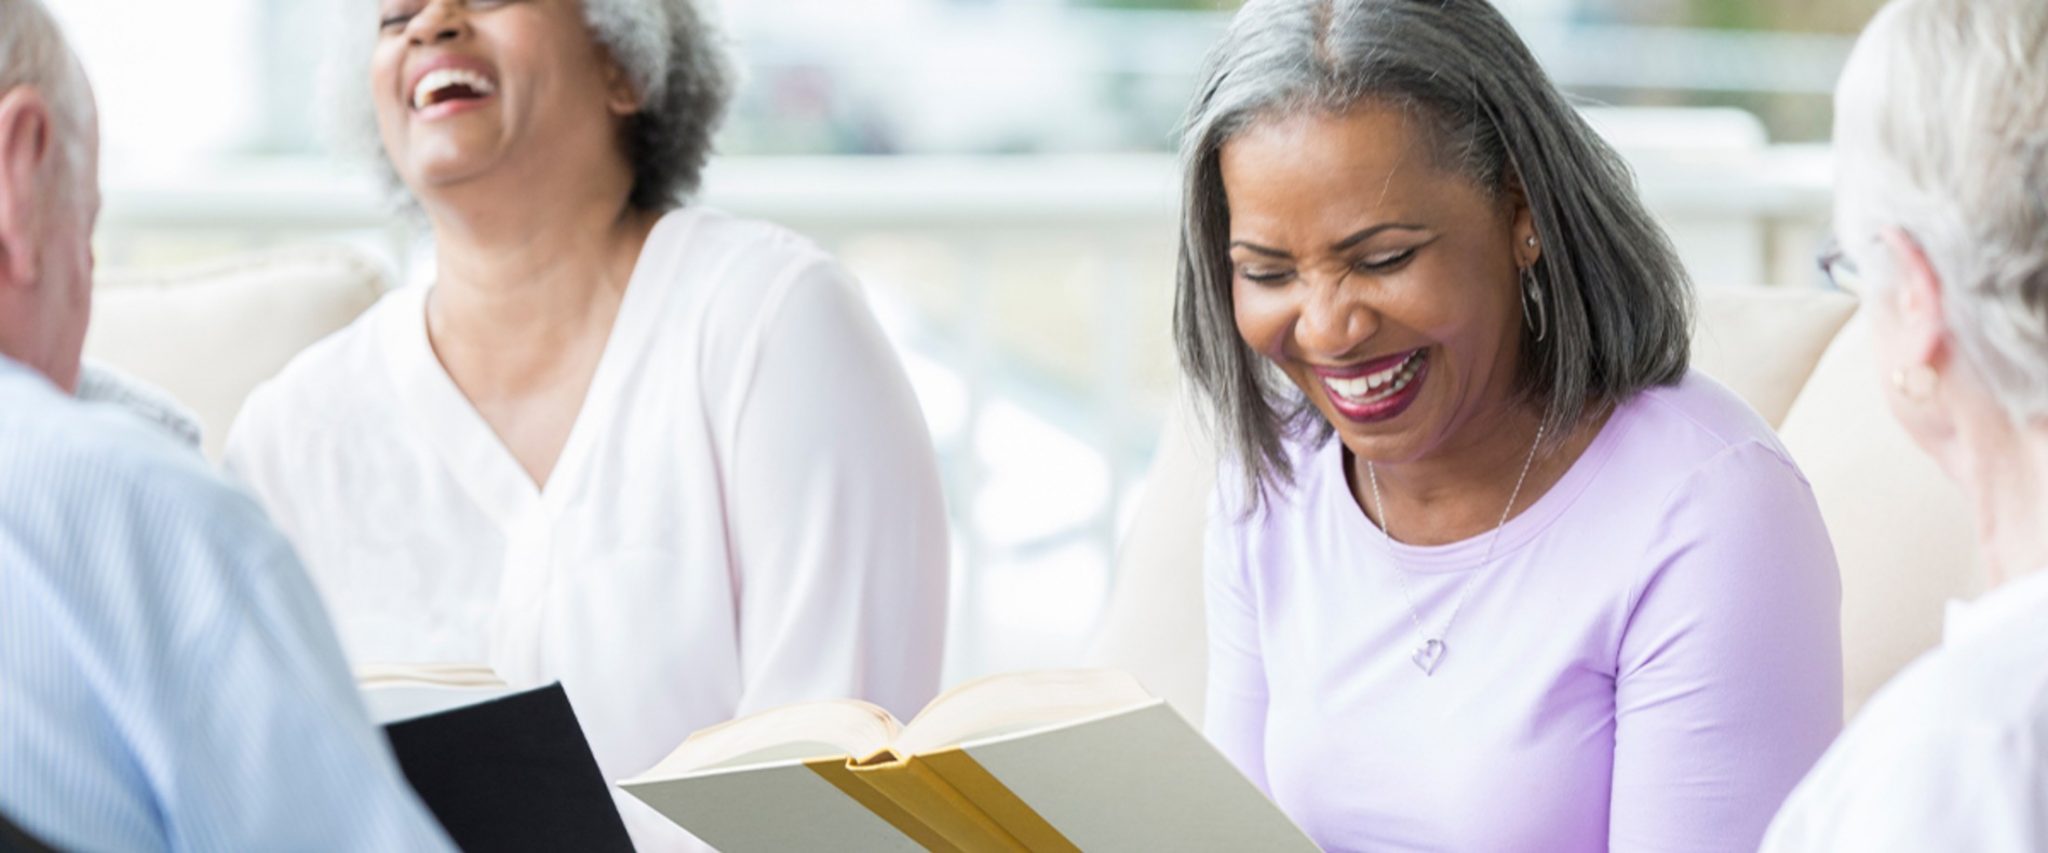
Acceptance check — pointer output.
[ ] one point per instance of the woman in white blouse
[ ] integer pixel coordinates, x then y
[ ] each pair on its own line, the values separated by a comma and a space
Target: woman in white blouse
1941, 215
652, 451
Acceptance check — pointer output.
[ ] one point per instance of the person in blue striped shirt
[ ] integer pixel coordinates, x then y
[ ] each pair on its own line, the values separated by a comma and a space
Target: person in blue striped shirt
168, 680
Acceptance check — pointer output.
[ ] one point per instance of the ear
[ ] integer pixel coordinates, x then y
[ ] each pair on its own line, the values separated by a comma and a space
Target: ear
1918, 297
1522, 226
619, 94
26, 146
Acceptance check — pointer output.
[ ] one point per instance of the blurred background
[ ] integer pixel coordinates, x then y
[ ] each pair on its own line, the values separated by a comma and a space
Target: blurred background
1000, 175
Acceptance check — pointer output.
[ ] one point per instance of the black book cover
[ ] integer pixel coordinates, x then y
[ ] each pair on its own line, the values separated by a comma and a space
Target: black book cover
14, 839
511, 774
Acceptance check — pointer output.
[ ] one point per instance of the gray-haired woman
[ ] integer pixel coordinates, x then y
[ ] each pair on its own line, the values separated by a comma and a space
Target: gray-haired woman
1941, 213
655, 452
1491, 568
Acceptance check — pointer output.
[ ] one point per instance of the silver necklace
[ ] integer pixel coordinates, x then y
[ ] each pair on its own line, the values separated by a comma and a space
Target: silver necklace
1431, 651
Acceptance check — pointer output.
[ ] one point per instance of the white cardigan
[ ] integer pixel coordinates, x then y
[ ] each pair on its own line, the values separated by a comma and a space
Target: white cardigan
746, 513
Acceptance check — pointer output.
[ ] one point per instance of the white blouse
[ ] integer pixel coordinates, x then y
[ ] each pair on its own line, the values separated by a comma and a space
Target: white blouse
1952, 754
746, 513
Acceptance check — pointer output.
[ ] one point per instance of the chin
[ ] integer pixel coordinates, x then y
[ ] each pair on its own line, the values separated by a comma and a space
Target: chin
1403, 439
446, 173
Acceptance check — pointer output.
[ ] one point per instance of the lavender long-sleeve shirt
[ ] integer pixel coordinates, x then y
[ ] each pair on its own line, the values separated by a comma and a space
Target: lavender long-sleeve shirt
1650, 662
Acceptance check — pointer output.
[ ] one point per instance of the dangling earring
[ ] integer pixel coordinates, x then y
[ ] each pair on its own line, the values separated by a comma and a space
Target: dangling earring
1533, 311
1914, 383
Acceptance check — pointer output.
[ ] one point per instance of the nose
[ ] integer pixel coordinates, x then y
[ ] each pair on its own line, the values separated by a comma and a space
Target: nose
1335, 318
440, 22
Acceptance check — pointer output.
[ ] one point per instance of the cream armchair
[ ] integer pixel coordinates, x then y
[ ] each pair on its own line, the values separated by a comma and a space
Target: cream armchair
208, 334
1802, 359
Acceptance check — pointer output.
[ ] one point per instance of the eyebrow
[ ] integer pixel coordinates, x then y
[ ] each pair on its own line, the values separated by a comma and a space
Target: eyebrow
1340, 245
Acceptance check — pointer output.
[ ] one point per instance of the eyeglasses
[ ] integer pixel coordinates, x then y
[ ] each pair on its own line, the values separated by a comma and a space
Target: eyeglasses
1840, 268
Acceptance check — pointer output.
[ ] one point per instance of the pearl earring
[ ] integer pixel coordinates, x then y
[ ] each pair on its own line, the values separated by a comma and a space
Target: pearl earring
1915, 383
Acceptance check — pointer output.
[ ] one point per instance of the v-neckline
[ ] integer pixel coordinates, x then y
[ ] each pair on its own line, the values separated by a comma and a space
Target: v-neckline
472, 450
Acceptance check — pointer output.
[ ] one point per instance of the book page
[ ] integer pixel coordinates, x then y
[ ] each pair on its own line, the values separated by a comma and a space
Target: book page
426, 675
839, 729
1016, 702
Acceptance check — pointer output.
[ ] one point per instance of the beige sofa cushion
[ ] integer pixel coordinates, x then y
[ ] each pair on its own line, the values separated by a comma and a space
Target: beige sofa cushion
1902, 532
1763, 344
209, 334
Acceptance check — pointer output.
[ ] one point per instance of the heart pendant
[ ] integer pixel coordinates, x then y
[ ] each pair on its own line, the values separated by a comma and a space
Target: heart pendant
1428, 656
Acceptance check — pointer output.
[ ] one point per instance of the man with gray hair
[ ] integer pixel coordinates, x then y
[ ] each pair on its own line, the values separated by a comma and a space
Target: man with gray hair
168, 679
1941, 220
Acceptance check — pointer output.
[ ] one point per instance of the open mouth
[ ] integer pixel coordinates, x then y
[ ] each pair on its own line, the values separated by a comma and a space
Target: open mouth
1381, 394
450, 85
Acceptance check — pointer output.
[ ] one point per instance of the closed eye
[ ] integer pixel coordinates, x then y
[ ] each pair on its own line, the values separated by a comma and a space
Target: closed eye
396, 20
1265, 276
397, 14
1385, 263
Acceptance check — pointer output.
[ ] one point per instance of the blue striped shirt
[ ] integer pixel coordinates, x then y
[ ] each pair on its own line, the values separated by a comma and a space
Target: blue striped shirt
168, 680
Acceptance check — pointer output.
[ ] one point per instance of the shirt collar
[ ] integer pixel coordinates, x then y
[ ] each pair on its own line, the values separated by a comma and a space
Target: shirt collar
2017, 599
11, 369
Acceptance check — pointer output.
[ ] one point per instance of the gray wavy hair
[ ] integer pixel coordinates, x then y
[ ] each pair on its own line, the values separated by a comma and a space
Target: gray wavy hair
33, 53
1618, 300
669, 49
1941, 128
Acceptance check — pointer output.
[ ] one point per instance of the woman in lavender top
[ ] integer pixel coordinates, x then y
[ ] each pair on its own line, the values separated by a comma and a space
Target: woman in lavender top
1490, 567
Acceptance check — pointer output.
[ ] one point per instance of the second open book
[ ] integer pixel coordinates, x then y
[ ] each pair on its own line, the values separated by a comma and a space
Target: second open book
1075, 760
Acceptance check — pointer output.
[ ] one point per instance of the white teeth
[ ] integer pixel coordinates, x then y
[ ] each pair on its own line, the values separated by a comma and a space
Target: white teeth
442, 78
1377, 386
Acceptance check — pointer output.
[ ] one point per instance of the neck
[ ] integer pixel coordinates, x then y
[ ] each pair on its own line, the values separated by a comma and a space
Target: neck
1478, 455
1461, 489
2005, 467
25, 337
516, 270
526, 294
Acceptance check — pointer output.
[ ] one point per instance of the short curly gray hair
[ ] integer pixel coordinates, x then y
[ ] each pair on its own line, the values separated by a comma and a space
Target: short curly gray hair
1941, 128
670, 51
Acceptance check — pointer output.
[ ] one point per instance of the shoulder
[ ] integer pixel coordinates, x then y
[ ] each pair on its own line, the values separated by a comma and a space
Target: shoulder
1951, 754
332, 378
90, 482
1698, 416
739, 269
1710, 487
1994, 686
740, 287
47, 431
1672, 436
709, 231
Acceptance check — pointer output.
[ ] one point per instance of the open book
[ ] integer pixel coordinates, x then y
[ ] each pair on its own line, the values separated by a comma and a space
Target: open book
1070, 760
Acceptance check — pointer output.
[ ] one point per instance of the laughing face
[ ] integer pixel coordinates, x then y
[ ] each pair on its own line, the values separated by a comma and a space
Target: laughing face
1383, 285
467, 89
